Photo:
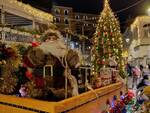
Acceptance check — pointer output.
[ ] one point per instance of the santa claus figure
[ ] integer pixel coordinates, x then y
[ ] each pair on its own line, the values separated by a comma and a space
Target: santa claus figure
53, 51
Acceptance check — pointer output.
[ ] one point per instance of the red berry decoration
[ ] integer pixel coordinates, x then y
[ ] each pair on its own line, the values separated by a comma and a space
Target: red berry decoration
106, 33
110, 33
103, 61
98, 33
106, 61
102, 42
98, 62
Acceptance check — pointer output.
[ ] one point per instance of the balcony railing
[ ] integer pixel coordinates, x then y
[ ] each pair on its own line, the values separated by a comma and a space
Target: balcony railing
8, 34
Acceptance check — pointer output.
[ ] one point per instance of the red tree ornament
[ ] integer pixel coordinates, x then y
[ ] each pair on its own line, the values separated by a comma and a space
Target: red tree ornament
102, 42
98, 33
103, 61
98, 61
106, 62
106, 33
104, 50
111, 33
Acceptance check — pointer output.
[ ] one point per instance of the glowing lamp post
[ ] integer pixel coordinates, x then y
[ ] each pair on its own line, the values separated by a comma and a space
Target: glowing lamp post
148, 11
127, 40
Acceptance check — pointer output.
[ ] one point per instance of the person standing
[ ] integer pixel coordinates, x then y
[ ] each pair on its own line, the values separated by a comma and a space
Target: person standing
129, 73
136, 74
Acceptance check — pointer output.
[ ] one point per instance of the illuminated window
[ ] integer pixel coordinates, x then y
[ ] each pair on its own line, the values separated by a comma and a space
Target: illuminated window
86, 17
57, 11
83, 17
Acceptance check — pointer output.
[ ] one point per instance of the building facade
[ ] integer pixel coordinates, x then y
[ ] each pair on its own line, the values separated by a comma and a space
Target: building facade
139, 49
63, 17
85, 23
80, 23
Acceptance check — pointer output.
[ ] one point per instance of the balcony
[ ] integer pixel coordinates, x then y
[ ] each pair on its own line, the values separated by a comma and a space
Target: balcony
11, 35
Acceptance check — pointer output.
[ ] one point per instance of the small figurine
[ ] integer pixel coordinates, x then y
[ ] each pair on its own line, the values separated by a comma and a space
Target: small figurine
23, 91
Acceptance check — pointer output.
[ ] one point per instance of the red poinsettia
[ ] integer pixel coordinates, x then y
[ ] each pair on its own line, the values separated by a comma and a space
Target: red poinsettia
98, 33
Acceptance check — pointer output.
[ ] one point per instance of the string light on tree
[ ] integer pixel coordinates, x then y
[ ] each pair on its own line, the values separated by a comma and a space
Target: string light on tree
107, 40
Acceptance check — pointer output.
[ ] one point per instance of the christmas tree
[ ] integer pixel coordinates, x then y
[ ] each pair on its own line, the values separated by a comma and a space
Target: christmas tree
107, 40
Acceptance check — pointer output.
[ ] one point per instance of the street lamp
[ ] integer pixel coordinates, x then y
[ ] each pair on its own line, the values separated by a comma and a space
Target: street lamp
127, 40
148, 11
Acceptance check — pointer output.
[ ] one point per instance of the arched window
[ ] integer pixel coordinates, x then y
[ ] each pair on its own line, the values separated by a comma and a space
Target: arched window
86, 24
57, 20
77, 17
66, 21
66, 12
57, 11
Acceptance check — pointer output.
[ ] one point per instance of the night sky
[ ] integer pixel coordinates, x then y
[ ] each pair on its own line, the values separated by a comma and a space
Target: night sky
95, 6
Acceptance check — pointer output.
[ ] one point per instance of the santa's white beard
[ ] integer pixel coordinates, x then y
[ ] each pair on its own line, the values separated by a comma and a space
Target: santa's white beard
55, 47
58, 49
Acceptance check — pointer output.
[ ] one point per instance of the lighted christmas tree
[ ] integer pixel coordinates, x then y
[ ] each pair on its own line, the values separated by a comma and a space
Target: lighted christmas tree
107, 40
